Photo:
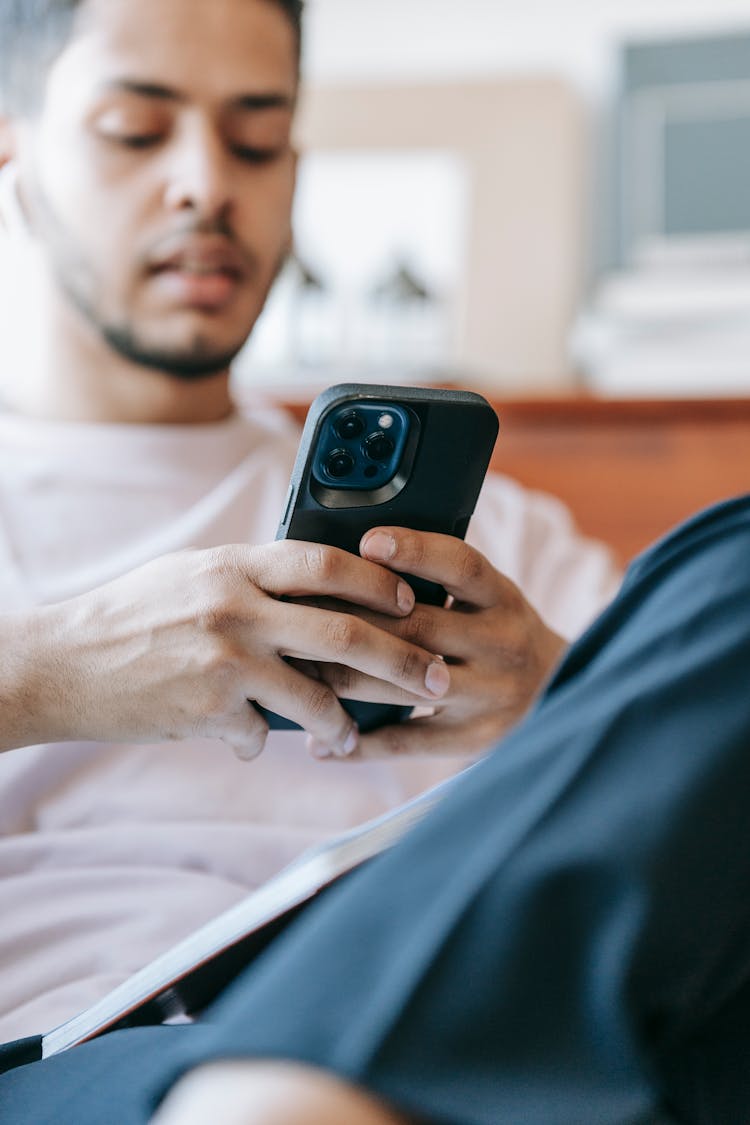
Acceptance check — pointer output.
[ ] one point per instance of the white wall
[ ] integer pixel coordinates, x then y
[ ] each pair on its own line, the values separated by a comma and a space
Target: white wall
521, 143
382, 40
368, 44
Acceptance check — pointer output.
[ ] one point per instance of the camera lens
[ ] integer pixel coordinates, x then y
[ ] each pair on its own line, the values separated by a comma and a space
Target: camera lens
339, 463
350, 426
379, 446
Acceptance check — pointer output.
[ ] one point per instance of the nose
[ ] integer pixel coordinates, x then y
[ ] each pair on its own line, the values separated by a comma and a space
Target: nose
198, 178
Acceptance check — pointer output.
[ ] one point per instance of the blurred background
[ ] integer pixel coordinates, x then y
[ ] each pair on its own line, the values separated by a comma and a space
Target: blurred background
532, 196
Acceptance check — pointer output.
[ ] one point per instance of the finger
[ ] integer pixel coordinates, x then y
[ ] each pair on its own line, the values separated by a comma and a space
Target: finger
294, 569
247, 734
462, 570
343, 638
430, 736
349, 684
457, 635
313, 705
465, 727
435, 629
307, 667
468, 700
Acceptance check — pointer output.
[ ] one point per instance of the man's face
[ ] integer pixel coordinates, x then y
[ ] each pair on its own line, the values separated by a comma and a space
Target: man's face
158, 176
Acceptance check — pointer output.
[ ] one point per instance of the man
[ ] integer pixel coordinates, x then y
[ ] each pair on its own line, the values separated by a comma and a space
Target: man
147, 208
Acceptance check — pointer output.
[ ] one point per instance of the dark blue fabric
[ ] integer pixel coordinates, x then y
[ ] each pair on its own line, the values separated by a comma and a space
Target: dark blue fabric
20, 1052
105, 1082
566, 939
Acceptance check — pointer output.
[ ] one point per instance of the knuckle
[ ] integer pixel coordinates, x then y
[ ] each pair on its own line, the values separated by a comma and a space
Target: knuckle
224, 558
413, 548
225, 607
342, 631
319, 562
421, 630
408, 667
248, 742
514, 602
218, 618
470, 566
219, 675
318, 700
340, 678
257, 565
220, 571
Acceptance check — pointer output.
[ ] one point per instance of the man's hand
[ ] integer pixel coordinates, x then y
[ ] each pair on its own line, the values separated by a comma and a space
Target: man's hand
499, 651
178, 648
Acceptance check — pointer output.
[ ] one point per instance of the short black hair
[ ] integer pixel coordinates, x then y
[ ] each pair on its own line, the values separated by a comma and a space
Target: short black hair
34, 32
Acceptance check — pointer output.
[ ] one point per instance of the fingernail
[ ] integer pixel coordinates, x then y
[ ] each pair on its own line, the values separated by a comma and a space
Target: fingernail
405, 597
350, 744
245, 753
318, 749
347, 747
380, 546
437, 679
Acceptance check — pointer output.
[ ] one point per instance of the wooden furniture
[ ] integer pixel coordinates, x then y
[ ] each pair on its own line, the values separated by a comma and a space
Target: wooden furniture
628, 469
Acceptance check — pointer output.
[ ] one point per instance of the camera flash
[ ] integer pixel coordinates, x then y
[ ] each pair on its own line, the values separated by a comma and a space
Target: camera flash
385, 421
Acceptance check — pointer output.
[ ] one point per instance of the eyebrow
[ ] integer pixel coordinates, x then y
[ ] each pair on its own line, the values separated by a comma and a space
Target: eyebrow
260, 101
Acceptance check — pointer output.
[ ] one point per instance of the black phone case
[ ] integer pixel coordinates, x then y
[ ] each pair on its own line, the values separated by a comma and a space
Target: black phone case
452, 438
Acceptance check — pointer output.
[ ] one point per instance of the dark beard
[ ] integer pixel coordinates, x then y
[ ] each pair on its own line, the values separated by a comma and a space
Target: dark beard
77, 281
189, 367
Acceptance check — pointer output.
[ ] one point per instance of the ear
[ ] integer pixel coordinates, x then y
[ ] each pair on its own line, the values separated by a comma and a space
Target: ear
7, 139
289, 248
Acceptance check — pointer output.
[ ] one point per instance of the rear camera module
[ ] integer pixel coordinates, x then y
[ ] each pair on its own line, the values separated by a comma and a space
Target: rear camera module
362, 451
379, 446
339, 464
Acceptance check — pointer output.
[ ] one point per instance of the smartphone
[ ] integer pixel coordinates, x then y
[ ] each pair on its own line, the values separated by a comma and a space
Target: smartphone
378, 455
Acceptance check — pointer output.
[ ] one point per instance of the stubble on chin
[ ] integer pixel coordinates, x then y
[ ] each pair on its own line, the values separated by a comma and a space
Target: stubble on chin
79, 282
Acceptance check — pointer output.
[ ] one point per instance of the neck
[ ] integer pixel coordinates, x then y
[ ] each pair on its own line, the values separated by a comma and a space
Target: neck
69, 374
146, 398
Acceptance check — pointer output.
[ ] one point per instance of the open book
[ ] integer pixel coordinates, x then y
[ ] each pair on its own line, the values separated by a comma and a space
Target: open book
191, 974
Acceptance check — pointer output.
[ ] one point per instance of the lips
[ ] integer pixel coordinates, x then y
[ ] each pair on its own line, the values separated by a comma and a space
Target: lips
202, 261
199, 273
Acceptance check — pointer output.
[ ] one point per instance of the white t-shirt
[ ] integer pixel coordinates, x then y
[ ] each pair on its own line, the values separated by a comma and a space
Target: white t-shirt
109, 854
